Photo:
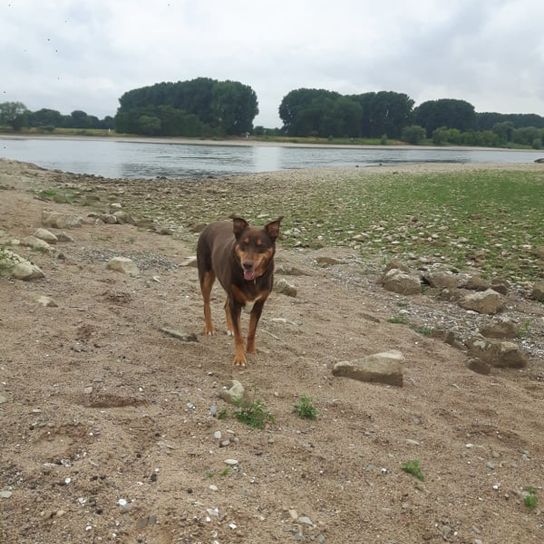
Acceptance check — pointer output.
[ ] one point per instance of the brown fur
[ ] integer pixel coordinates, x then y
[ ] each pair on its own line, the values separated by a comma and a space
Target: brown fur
242, 259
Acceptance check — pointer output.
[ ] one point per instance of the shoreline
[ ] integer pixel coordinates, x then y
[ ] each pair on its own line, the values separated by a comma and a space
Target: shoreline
251, 143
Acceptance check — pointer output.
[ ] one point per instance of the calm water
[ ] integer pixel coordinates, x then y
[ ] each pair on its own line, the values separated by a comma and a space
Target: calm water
147, 160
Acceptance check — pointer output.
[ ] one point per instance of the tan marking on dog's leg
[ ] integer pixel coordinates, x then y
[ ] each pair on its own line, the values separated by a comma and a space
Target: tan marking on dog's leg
206, 287
239, 352
230, 328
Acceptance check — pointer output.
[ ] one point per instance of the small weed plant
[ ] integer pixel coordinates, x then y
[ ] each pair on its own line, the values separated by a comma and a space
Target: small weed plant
255, 414
413, 468
305, 408
530, 500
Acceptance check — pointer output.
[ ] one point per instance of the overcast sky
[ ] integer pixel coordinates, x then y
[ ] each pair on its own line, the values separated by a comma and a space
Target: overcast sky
84, 54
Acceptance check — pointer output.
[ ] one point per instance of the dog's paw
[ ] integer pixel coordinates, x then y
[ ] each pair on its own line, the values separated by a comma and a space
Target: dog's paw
239, 360
209, 332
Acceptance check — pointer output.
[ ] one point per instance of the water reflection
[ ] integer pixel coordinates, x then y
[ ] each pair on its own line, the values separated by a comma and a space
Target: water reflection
148, 160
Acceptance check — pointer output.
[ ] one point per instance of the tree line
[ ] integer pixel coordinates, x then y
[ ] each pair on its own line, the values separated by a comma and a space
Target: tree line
17, 116
387, 114
212, 108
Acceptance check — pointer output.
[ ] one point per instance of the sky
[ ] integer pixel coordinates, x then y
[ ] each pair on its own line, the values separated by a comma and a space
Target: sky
84, 54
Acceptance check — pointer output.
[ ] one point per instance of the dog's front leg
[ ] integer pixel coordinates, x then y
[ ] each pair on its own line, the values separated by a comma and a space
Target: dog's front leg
239, 353
254, 317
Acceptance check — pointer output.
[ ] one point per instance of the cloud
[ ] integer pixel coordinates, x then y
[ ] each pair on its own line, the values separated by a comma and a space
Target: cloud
74, 54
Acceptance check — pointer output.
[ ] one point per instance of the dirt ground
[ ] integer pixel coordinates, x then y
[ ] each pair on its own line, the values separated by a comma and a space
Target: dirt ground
107, 432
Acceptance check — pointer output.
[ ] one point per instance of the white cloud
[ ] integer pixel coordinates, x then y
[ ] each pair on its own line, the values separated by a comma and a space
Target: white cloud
74, 54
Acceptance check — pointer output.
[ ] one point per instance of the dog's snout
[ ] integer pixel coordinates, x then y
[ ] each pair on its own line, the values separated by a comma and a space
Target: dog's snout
247, 265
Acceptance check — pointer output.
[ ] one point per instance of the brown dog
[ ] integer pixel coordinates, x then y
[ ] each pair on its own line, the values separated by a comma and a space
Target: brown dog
242, 259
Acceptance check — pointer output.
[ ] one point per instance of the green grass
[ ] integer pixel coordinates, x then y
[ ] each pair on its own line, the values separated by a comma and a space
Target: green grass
530, 500
59, 196
413, 468
398, 320
485, 217
305, 408
255, 414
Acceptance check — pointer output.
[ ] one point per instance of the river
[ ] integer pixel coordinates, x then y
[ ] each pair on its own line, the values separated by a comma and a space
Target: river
136, 159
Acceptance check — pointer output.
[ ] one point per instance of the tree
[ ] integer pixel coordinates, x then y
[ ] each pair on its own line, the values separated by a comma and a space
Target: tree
384, 112
13, 114
446, 112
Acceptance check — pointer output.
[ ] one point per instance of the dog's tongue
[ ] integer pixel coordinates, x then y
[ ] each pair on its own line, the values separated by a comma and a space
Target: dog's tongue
249, 275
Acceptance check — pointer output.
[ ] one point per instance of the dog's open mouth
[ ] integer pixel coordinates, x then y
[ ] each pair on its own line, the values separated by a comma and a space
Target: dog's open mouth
249, 275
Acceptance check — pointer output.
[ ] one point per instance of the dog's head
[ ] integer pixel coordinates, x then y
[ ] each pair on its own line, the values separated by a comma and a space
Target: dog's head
255, 247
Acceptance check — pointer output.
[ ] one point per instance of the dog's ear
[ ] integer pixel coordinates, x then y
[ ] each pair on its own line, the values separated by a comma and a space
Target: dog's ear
273, 228
239, 225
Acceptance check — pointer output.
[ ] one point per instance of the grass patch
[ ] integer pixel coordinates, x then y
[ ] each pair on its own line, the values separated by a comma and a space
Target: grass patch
56, 195
255, 414
425, 331
398, 320
413, 468
530, 500
305, 408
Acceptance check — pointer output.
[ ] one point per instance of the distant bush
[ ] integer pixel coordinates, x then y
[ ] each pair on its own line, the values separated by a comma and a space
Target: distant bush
413, 134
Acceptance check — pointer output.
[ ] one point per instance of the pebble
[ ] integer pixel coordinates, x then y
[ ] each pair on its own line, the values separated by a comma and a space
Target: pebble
231, 462
217, 435
213, 487
5, 494
123, 503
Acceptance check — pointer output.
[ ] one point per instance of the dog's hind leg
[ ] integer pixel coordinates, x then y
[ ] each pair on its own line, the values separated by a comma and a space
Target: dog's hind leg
206, 284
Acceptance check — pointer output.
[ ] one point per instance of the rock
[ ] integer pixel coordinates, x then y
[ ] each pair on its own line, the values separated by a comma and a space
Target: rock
486, 302
441, 279
108, 218
305, 520
476, 283
539, 252
538, 291
395, 264
161, 229
5, 494
378, 368
190, 262
63, 237
185, 337
497, 353
3, 399
285, 288
123, 217
501, 286
287, 270
123, 265
541, 161
116, 205
478, 366
400, 282
327, 261
61, 220
45, 235
234, 394
503, 328
26, 271
46, 302
231, 462
36, 243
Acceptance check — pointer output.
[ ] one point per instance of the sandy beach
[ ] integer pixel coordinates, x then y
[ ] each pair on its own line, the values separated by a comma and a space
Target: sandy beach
110, 429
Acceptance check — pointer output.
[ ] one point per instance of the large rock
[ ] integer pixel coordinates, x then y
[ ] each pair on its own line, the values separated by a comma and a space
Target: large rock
485, 302
45, 235
58, 220
123, 265
36, 243
400, 282
538, 291
502, 328
378, 368
285, 288
497, 353
476, 283
16, 266
440, 279
234, 394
